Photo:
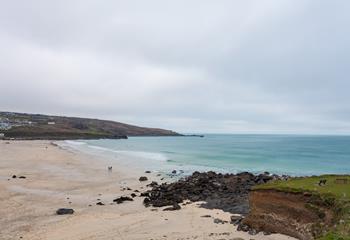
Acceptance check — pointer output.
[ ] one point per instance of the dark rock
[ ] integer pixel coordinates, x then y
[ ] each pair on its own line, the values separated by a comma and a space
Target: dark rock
100, 203
63, 211
133, 195
22, 177
144, 194
236, 219
122, 199
14, 176
152, 184
146, 202
243, 227
173, 172
175, 206
147, 171
143, 178
252, 231
228, 192
206, 216
136, 190
219, 221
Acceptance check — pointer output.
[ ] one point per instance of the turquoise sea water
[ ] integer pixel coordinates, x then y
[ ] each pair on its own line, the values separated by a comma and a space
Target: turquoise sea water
281, 154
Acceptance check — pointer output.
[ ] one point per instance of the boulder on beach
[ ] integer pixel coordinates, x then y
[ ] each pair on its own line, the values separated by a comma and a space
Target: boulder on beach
175, 206
143, 178
236, 219
219, 221
64, 211
152, 184
122, 199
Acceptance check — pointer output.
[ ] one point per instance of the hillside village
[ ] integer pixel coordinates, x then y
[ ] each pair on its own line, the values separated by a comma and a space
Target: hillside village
9, 120
8, 123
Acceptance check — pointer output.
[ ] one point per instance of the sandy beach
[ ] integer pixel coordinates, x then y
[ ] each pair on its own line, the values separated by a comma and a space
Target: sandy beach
58, 178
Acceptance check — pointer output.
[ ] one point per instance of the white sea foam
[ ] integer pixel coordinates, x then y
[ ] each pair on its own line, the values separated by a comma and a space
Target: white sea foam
76, 143
100, 148
134, 154
145, 155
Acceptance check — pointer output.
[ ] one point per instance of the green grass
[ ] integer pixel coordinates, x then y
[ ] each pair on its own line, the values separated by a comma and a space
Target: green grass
334, 195
310, 184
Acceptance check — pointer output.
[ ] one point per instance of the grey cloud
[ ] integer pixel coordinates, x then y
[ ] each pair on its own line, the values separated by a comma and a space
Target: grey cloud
198, 66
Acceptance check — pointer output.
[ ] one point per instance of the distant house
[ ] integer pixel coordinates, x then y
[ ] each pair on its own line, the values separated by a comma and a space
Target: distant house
5, 125
51, 123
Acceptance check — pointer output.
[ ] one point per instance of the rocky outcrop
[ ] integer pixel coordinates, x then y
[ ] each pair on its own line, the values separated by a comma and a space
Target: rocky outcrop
228, 192
300, 215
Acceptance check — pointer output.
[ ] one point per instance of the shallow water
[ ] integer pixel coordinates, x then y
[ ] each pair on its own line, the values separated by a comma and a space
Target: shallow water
281, 154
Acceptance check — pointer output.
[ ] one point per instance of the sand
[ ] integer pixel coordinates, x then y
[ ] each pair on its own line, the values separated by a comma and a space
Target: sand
57, 177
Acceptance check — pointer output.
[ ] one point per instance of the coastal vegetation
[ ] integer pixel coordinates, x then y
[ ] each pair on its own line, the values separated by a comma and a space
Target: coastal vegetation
323, 195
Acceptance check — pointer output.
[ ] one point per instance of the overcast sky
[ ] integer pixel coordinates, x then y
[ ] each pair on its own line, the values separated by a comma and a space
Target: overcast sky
264, 66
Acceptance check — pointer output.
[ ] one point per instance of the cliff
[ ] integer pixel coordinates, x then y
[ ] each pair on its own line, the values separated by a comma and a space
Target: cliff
302, 208
292, 214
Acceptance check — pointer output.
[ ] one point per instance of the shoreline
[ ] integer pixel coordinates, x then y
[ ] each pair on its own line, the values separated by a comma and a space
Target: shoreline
56, 178
228, 154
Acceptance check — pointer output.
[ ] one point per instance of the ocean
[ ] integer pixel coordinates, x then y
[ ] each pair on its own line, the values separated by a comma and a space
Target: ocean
297, 155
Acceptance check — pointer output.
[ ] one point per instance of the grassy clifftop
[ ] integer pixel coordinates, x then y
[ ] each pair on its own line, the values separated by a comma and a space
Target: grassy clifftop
37, 126
334, 185
333, 192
